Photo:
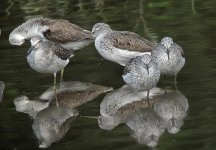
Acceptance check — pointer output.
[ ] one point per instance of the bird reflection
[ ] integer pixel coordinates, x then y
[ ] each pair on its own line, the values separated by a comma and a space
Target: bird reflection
119, 104
147, 123
70, 94
146, 126
173, 108
2, 87
31, 107
51, 123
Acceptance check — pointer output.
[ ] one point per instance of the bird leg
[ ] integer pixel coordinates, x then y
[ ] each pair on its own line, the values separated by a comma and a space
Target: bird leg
148, 98
175, 81
62, 73
90, 117
54, 87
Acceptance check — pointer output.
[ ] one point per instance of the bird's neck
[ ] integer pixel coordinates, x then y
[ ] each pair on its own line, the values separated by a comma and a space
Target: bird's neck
36, 30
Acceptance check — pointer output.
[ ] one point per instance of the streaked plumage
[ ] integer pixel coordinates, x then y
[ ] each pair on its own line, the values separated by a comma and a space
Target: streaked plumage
119, 46
169, 56
69, 35
46, 56
141, 73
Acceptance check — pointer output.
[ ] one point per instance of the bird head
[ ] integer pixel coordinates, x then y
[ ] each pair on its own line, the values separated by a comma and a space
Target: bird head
100, 28
16, 39
167, 42
35, 40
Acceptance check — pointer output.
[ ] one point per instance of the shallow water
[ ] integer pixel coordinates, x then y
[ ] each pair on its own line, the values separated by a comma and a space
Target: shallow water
192, 24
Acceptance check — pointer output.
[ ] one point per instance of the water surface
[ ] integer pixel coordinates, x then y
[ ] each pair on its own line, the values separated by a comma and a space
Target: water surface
191, 23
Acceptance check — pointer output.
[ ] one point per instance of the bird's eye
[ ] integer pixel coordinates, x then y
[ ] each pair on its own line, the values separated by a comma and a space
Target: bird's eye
26, 31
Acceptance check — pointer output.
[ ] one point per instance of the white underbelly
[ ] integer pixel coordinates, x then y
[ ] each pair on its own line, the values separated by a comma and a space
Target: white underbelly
45, 64
76, 45
111, 53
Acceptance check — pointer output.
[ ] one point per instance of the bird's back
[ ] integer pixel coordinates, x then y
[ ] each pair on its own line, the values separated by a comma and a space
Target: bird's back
130, 41
57, 49
62, 31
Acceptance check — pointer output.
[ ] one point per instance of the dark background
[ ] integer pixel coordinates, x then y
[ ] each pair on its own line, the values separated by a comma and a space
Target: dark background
191, 23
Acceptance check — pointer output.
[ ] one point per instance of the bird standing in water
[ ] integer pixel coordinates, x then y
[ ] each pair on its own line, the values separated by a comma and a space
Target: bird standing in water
141, 73
68, 35
119, 46
46, 56
169, 56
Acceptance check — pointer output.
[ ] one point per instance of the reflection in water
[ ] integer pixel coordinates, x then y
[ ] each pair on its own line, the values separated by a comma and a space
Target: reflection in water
70, 94
173, 108
141, 20
75, 93
51, 123
193, 6
116, 99
118, 104
146, 126
2, 87
31, 107
167, 111
39, 7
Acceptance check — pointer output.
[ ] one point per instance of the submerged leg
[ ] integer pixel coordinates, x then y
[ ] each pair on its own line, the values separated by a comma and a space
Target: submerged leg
175, 82
62, 73
55, 89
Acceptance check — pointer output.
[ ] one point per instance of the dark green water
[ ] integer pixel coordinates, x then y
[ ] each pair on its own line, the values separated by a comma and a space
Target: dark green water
191, 23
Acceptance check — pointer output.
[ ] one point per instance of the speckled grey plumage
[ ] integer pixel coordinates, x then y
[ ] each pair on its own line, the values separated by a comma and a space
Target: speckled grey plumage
47, 56
169, 56
173, 108
69, 35
141, 73
119, 46
146, 126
